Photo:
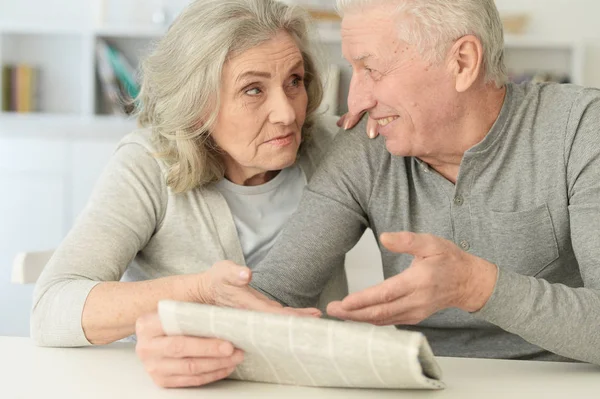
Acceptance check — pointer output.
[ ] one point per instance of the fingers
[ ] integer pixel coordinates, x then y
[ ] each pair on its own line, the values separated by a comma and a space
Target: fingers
262, 305
190, 366
386, 292
182, 361
305, 312
397, 312
182, 346
262, 297
149, 326
420, 245
183, 381
372, 127
350, 120
229, 283
230, 273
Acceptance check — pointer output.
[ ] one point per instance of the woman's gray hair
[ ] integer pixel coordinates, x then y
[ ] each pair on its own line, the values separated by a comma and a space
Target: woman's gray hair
434, 24
181, 79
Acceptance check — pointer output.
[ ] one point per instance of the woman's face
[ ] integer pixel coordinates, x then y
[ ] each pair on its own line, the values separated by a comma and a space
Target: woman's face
263, 107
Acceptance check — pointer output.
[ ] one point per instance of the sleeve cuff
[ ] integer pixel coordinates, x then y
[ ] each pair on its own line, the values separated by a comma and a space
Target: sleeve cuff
56, 320
509, 302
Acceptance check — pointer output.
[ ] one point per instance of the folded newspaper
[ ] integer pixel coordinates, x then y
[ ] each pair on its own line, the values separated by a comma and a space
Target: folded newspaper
309, 351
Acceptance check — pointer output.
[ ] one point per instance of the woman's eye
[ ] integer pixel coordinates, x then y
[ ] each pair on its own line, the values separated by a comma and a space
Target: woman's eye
297, 81
253, 92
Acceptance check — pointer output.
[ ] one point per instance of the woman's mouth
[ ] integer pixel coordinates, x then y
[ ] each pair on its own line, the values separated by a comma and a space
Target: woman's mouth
281, 141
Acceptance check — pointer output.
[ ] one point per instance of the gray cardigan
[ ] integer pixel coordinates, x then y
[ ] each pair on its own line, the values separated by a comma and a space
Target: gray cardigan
135, 228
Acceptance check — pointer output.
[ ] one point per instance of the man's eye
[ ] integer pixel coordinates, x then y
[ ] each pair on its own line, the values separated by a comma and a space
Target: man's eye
253, 92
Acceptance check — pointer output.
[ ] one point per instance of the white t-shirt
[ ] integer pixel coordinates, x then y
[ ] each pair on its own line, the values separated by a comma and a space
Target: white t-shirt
260, 212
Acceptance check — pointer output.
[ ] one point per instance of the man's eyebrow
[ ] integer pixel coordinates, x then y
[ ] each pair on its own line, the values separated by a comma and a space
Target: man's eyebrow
361, 57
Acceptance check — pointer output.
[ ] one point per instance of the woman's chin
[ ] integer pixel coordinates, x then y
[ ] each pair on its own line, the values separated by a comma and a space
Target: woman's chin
282, 160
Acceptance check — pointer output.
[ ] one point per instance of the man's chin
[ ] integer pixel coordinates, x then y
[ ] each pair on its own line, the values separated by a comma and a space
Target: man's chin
394, 148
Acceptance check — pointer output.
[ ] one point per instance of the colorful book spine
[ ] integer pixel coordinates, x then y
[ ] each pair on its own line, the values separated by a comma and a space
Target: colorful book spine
19, 84
6, 88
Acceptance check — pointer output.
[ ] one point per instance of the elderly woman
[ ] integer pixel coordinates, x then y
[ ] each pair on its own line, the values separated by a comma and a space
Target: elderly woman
229, 138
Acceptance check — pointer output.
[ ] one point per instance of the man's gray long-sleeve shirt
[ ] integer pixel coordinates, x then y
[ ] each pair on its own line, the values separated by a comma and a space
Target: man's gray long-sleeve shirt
527, 199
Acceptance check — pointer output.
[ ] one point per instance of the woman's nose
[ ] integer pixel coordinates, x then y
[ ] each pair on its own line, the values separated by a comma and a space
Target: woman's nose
282, 110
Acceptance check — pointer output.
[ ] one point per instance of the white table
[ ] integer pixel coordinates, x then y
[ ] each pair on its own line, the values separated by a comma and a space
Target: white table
114, 372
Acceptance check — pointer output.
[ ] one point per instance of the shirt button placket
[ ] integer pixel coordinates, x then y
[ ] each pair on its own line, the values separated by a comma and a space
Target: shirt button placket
464, 244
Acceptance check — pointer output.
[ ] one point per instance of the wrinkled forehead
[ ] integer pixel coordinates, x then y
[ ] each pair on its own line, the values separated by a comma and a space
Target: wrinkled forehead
367, 30
279, 52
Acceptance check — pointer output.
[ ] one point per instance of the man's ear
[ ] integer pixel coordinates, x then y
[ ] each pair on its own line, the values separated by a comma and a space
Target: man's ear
466, 61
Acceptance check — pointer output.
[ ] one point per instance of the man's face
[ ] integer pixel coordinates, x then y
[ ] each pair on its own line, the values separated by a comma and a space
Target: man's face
412, 99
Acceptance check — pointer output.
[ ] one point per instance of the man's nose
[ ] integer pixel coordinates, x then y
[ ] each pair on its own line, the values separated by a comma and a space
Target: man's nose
360, 96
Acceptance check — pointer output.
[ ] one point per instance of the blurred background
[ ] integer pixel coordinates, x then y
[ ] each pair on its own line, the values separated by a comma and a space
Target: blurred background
67, 64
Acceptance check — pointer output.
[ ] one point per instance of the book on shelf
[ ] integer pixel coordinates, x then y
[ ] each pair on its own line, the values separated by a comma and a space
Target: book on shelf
117, 78
19, 88
539, 77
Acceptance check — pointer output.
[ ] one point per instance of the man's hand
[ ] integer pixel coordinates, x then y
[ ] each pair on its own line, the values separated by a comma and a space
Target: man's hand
348, 121
441, 276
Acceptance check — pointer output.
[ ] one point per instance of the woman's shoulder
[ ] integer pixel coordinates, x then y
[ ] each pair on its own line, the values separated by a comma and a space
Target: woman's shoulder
142, 137
141, 147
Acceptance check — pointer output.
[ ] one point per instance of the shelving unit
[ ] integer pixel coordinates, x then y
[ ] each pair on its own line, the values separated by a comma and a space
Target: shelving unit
558, 56
69, 86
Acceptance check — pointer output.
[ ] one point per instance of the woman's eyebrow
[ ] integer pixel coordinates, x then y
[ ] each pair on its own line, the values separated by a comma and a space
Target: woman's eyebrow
297, 65
256, 74
266, 75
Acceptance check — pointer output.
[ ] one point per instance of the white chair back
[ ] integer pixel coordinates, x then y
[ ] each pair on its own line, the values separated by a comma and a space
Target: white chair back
27, 266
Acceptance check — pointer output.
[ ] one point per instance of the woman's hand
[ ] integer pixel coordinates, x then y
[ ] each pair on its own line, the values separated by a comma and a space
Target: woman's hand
180, 361
348, 121
226, 284
183, 361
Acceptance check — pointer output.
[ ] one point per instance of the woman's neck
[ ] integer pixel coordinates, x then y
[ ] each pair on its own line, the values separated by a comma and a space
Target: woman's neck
249, 177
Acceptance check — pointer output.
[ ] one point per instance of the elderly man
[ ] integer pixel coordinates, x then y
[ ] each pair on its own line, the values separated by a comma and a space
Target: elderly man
485, 195
491, 191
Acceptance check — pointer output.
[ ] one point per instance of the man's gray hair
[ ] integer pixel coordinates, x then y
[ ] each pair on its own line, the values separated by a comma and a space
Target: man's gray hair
433, 25
181, 79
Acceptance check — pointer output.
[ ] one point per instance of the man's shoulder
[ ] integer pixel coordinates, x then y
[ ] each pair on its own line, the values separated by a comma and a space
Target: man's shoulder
333, 145
352, 153
552, 111
355, 142
554, 96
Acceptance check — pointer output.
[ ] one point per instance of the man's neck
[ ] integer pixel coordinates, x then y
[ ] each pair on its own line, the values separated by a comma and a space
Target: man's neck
480, 112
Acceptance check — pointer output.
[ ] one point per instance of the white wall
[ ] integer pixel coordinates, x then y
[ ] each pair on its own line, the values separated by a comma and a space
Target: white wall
46, 12
573, 19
